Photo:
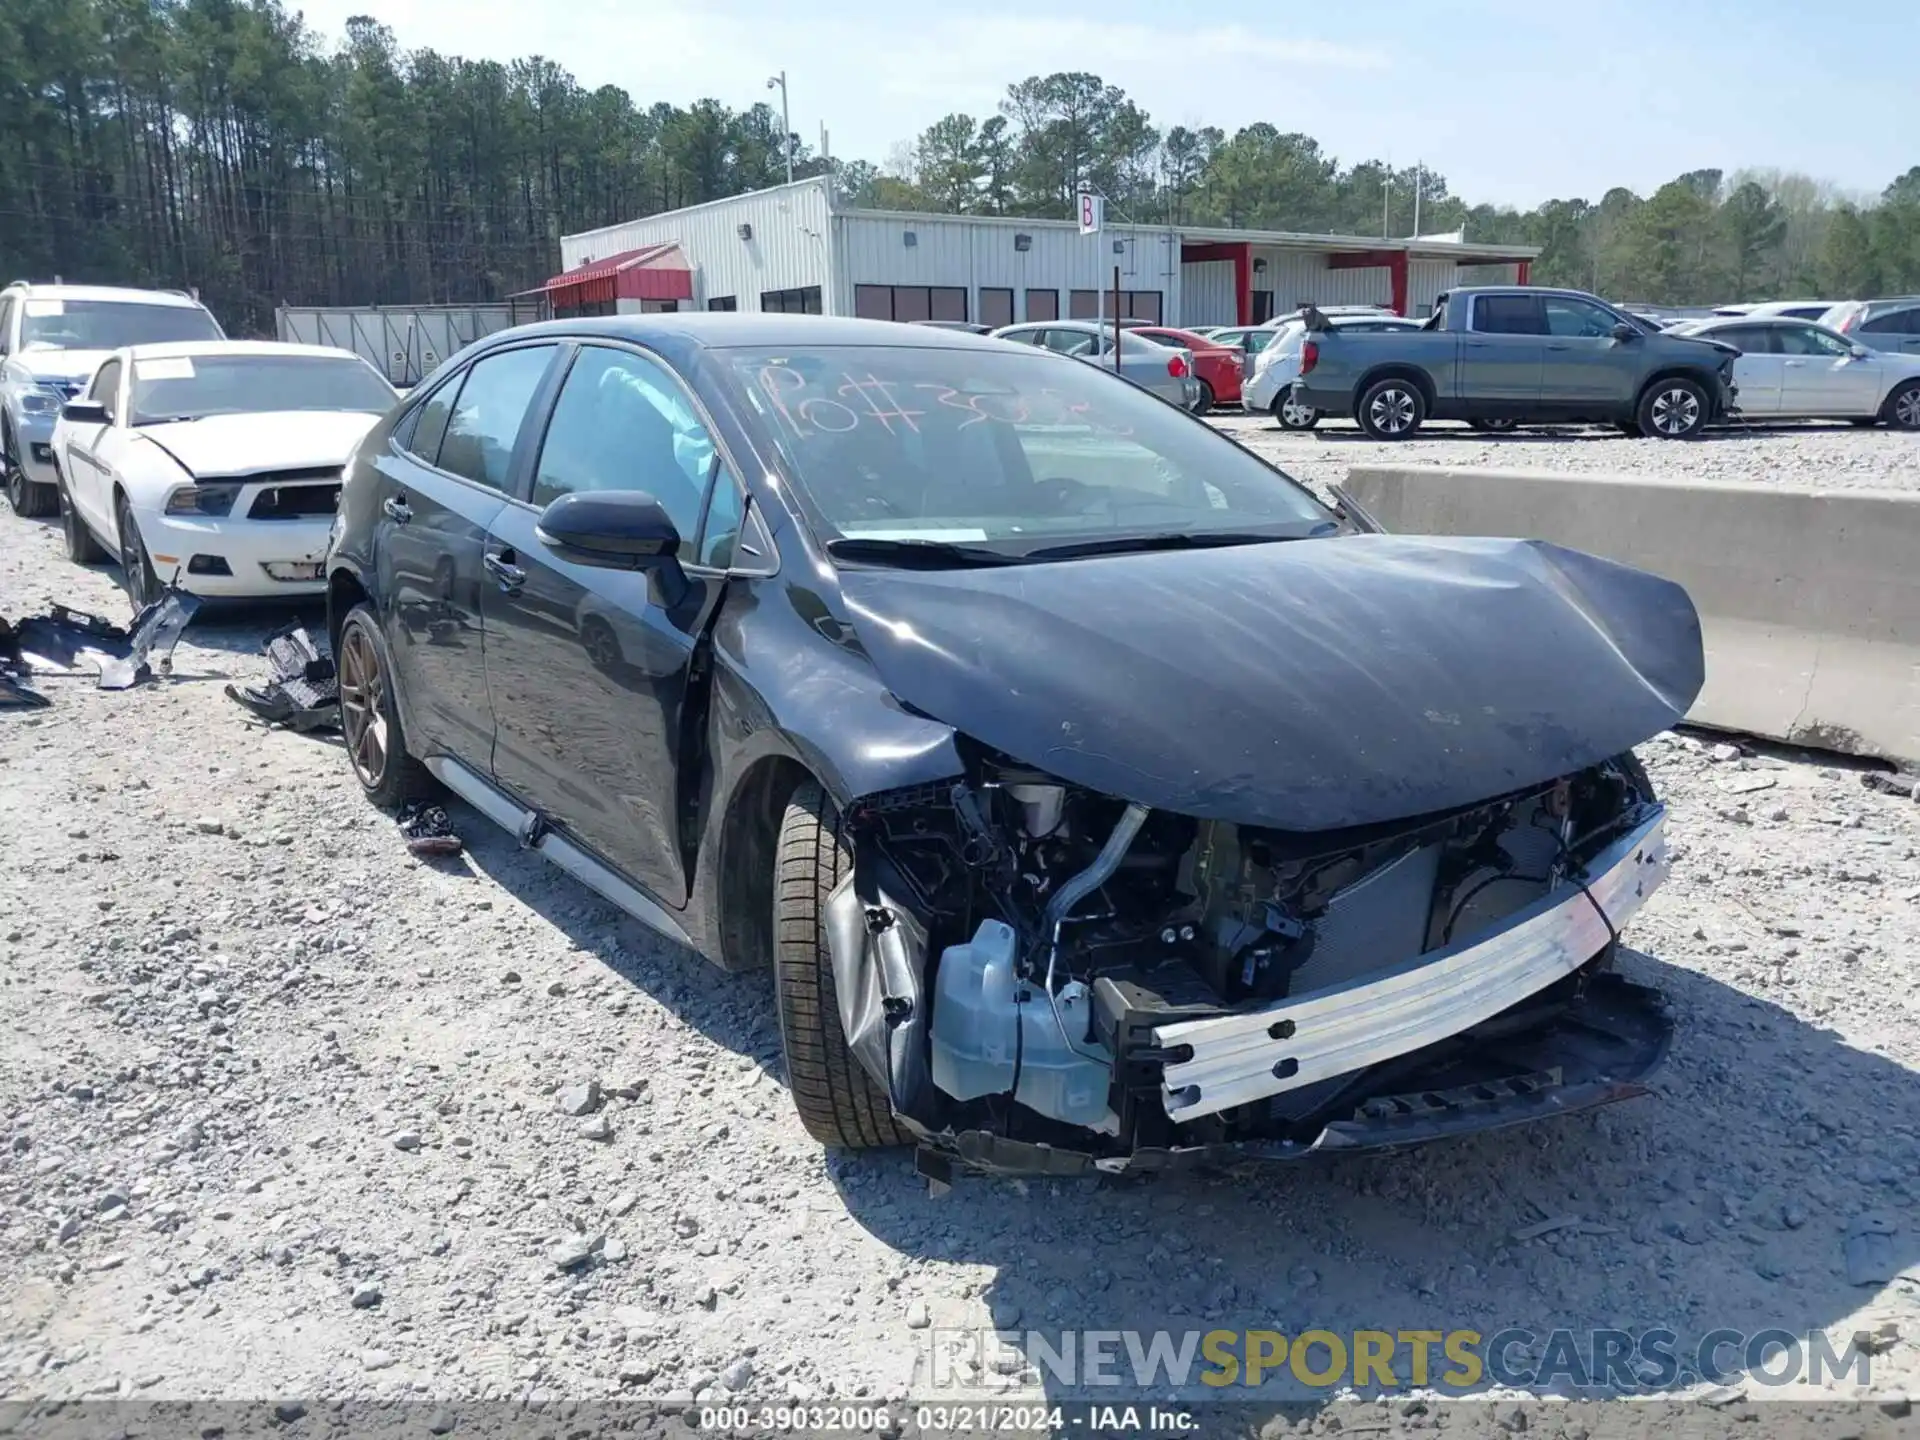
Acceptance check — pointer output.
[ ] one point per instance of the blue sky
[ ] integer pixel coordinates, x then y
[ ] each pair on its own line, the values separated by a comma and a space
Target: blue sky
1515, 101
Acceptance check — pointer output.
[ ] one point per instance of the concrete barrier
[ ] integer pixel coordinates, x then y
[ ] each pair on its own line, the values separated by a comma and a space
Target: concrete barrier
1809, 600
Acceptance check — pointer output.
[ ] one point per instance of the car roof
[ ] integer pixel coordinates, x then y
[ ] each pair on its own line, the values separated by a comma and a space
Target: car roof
188, 349
105, 294
725, 330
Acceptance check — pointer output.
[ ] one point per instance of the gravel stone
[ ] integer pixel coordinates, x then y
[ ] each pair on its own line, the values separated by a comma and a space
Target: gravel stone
580, 1099
364, 993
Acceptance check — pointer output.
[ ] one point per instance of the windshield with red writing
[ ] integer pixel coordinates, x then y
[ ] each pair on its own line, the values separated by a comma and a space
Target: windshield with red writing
992, 445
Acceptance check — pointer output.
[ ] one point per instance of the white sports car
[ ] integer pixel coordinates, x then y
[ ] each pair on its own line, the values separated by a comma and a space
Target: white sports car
213, 465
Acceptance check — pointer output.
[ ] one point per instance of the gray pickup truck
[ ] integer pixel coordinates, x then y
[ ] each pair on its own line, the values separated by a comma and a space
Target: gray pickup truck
1496, 357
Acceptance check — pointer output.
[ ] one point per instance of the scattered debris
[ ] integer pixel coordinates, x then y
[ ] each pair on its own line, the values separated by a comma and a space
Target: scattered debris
73, 642
303, 692
1907, 787
427, 829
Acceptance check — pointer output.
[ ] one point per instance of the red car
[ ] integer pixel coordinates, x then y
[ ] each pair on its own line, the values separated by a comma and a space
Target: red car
1216, 366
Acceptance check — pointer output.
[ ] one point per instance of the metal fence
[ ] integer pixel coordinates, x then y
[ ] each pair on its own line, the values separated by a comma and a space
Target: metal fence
403, 342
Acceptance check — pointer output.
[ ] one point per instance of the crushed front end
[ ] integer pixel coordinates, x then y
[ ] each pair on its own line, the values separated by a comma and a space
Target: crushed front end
1049, 980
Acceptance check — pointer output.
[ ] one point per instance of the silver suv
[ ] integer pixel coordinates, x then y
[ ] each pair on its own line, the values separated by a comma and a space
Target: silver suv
1892, 324
52, 339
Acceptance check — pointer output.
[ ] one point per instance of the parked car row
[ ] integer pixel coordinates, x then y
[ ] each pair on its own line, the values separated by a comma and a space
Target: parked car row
186, 457
1502, 356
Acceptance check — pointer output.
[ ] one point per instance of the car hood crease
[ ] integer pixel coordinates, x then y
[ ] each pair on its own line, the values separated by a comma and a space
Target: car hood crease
240, 445
1310, 685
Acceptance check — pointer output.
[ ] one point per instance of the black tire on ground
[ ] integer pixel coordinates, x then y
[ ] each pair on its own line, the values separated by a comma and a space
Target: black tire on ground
1391, 409
1902, 410
29, 498
82, 548
143, 586
1673, 409
838, 1101
1293, 415
1203, 399
1493, 427
370, 715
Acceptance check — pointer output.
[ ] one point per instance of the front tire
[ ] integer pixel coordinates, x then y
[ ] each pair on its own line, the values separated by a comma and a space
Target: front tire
1493, 427
30, 499
839, 1103
82, 548
143, 586
1674, 409
1291, 414
370, 715
1392, 409
1902, 410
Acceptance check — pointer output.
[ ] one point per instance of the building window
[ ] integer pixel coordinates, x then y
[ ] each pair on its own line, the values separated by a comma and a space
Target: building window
723, 302
659, 307
996, 307
803, 301
1134, 305
1043, 304
582, 310
910, 302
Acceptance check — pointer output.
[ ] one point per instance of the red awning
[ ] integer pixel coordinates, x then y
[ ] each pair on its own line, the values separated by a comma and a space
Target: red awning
653, 272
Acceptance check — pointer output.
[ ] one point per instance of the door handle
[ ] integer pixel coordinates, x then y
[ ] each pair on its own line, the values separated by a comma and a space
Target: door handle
1796, 364
500, 565
1559, 347
397, 509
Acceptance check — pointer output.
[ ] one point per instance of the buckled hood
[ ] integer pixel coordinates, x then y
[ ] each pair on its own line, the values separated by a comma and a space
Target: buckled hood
1307, 685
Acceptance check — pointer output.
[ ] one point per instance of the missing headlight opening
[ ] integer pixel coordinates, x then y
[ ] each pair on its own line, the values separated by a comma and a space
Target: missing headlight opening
1048, 967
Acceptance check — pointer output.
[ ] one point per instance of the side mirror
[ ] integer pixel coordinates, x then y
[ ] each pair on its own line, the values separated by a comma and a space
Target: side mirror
618, 529
1624, 331
85, 412
1861, 352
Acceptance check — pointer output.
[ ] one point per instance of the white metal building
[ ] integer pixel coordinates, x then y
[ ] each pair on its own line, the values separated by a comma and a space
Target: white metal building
792, 248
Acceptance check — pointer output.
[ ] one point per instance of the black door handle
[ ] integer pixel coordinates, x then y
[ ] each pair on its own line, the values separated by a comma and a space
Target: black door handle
397, 509
501, 567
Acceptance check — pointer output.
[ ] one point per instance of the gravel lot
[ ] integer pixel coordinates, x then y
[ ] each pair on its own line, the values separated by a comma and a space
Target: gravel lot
289, 1109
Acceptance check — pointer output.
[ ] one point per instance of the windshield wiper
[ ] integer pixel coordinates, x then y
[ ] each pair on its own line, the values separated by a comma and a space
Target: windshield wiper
1173, 540
929, 554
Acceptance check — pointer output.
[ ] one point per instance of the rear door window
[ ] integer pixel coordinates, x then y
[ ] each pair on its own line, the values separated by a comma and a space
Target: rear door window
1894, 322
1508, 315
484, 423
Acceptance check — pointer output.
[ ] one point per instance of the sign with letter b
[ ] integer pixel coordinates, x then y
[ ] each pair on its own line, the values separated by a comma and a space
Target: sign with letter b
1091, 212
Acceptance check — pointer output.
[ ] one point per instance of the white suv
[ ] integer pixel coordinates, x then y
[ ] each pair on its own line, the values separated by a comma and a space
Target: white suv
52, 339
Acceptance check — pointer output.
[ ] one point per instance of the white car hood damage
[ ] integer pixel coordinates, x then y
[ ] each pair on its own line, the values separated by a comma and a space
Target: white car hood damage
235, 445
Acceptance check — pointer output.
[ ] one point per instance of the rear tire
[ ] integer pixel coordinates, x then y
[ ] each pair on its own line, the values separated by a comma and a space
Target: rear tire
1493, 427
1902, 410
1673, 409
82, 547
1203, 400
1291, 414
30, 499
1391, 409
370, 715
838, 1101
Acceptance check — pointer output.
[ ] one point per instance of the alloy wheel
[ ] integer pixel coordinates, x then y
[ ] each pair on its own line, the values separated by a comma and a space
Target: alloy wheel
1906, 409
363, 706
1392, 411
1675, 411
1293, 414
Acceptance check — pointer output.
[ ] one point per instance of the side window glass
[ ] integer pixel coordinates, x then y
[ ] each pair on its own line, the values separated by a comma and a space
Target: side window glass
721, 532
429, 423
485, 421
1749, 339
1507, 315
106, 386
1577, 319
623, 422
1893, 323
6, 326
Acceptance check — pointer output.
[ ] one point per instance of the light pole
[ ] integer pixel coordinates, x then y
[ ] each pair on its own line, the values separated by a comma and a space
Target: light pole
786, 126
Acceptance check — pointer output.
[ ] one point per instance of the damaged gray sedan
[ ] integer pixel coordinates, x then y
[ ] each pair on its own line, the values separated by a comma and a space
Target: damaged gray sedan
1101, 799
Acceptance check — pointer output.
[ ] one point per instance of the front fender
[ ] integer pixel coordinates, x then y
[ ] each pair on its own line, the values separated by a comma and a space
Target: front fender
804, 687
